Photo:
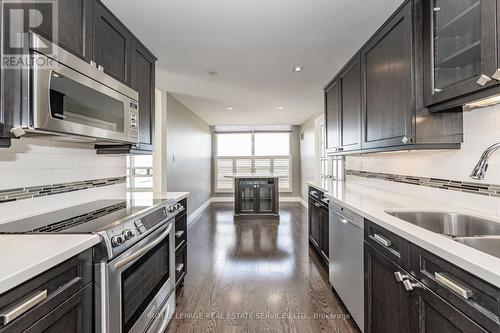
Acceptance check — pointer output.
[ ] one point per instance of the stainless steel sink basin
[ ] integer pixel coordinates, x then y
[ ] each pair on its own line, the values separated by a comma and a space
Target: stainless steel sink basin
490, 245
449, 224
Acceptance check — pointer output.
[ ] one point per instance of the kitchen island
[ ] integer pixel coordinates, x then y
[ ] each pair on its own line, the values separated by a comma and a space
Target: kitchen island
256, 195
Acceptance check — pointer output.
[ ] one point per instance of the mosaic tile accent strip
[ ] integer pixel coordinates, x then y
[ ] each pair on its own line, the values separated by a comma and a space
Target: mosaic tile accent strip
445, 184
77, 220
45, 190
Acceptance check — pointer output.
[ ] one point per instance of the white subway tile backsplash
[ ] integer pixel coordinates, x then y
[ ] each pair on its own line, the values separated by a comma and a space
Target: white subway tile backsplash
481, 130
35, 161
25, 208
22, 178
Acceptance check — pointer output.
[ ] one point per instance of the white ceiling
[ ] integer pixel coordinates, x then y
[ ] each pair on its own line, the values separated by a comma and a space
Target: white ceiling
252, 44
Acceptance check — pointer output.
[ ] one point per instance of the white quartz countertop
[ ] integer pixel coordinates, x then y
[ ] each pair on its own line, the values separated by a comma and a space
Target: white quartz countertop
372, 204
25, 256
150, 195
254, 175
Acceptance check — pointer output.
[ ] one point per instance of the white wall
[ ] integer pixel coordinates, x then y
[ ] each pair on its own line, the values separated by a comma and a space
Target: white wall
47, 161
189, 154
481, 129
308, 154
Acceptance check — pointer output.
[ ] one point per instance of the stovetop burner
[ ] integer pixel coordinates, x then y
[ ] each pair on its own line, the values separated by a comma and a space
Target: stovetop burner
120, 223
81, 219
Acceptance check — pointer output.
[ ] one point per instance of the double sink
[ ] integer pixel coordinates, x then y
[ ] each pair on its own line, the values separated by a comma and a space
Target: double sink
472, 231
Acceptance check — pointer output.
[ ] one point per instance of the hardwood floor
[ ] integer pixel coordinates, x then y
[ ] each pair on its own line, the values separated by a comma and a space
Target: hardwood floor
255, 276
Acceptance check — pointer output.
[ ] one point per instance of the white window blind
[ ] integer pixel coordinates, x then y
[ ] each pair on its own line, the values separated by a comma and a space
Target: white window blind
262, 166
224, 167
244, 165
282, 168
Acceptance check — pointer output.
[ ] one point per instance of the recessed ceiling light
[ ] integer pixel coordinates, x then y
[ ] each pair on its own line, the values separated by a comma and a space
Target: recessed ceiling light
229, 108
212, 72
297, 69
280, 108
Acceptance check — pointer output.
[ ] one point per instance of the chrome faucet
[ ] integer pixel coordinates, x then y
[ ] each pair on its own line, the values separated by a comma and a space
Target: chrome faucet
482, 166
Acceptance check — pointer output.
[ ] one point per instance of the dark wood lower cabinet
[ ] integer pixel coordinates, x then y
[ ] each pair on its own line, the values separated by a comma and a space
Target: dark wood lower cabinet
424, 298
387, 304
256, 197
431, 314
67, 306
319, 233
181, 229
74, 315
324, 244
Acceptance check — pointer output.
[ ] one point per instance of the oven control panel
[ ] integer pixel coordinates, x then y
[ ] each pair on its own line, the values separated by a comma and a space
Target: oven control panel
128, 233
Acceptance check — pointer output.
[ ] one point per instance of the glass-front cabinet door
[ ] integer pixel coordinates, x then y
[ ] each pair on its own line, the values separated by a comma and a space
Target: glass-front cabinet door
247, 198
266, 197
459, 47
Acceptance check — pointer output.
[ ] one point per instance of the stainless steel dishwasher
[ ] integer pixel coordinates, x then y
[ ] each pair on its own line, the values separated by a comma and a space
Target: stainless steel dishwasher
346, 259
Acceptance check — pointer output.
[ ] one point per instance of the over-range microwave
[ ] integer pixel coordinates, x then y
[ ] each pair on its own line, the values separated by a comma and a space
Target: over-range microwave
64, 95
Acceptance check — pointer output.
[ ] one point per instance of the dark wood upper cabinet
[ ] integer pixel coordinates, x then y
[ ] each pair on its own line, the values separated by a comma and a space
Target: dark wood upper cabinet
74, 32
387, 304
460, 48
143, 81
388, 83
112, 44
350, 109
332, 116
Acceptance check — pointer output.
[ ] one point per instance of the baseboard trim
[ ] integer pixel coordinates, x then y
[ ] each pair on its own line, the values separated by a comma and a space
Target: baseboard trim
193, 217
290, 199
222, 199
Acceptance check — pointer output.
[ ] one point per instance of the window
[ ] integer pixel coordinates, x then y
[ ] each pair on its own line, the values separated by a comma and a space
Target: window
272, 144
234, 144
330, 167
140, 172
259, 153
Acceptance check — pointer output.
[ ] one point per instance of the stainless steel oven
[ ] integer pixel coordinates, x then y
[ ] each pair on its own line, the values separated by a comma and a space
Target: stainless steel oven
136, 289
68, 96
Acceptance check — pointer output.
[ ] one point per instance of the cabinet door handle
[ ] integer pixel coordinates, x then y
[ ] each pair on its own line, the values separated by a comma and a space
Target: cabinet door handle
483, 79
453, 285
179, 268
496, 75
22, 306
405, 140
410, 285
341, 148
400, 277
93, 64
382, 240
100, 68
179, 234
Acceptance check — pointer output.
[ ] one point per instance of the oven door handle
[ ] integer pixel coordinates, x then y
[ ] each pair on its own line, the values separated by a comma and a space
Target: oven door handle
139, 253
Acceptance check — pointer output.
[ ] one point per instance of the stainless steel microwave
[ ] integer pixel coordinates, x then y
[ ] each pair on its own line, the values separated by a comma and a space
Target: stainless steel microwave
67, 96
